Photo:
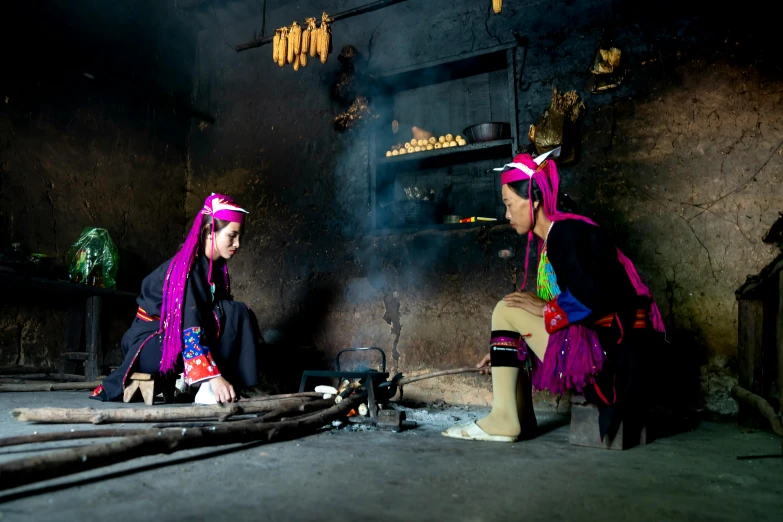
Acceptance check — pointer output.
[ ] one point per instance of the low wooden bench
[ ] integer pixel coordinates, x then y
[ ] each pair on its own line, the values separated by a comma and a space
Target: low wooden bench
149, 386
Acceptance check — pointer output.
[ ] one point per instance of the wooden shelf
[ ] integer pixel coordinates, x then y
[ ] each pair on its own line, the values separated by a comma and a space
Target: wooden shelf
451, 152
450, 93
435, 227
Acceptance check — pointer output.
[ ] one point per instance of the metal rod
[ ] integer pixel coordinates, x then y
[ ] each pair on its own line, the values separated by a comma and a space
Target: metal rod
362, 9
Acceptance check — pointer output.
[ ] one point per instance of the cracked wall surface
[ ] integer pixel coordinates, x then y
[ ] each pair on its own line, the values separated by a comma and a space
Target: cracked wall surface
681, 164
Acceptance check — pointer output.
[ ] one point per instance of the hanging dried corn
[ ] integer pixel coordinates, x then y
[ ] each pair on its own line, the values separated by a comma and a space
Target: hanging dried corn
324, 38
296, 63
497, 6
315, 38
307, 36
294, 41
283, 48
275, 45
303, 59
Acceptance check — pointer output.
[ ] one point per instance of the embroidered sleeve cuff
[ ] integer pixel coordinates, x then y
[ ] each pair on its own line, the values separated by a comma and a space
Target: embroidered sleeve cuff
199, 365
554, 317
563, 310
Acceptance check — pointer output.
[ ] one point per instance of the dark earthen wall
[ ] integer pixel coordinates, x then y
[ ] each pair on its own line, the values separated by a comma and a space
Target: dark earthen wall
78, 151
96, 168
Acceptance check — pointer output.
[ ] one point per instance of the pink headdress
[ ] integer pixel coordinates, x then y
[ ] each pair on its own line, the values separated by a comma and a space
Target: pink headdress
219, 207
543, 172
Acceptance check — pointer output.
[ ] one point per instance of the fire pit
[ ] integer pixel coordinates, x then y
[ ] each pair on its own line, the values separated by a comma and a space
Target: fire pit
364, 380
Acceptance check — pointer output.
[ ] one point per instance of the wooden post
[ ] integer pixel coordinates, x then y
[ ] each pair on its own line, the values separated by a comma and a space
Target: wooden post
751, 352
73, 336
93, 337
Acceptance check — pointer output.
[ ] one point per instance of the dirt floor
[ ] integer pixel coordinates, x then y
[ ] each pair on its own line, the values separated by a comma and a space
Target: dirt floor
362, 473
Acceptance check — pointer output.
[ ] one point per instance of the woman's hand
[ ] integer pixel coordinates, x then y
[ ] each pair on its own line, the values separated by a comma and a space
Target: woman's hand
485, 365
526, 301
223, 391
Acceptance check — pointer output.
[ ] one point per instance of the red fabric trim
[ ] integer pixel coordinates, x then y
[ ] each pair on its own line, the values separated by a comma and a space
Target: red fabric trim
144, 316
601, 395
554, 317
200, 368
640, 323
125, 377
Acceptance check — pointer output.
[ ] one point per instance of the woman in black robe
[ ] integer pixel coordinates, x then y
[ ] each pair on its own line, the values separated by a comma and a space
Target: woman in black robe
204, 332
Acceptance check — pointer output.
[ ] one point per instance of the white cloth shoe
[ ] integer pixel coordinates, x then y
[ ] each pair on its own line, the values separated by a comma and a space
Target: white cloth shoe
473, 431
205, 394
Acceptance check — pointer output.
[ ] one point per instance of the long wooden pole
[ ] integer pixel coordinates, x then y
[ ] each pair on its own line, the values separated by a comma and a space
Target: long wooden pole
455, 371
150, 414
49, 386
74, 460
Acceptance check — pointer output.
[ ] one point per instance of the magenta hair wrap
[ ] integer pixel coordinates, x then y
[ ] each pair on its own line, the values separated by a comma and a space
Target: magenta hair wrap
174, 285
543, 172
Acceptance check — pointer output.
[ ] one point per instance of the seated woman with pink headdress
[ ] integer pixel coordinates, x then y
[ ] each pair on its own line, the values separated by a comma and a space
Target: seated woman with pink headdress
586, 329
187, 320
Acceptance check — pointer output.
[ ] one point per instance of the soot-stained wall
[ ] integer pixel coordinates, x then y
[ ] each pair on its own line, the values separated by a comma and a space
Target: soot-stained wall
97, 150
681, 164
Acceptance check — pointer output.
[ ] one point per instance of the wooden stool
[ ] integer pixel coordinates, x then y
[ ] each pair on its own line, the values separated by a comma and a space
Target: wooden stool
585, 431
149, 385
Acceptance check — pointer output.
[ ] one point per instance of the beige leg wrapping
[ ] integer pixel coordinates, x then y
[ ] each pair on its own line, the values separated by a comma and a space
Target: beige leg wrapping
522, 321
512, 405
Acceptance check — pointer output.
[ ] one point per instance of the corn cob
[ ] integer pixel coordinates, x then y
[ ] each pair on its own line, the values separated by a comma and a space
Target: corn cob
497, 6
275, 45
325, 38
295, 39
315, 39
303, 59
296, 63
281, 51
307, 35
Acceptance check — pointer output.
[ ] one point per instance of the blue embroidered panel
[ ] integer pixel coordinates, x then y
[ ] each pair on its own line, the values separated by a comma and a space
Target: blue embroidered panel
575, 310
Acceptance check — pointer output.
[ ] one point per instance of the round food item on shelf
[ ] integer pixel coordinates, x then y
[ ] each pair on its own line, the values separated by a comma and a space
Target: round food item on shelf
433, 140
458, 139
449, 137
462, 143
417, 149
403, 151
442, 139
452, 143
396, 152
438, 146
429, 146
388, 153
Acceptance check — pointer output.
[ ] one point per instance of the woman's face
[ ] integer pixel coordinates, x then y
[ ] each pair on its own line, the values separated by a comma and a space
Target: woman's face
517, 211
226, 242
